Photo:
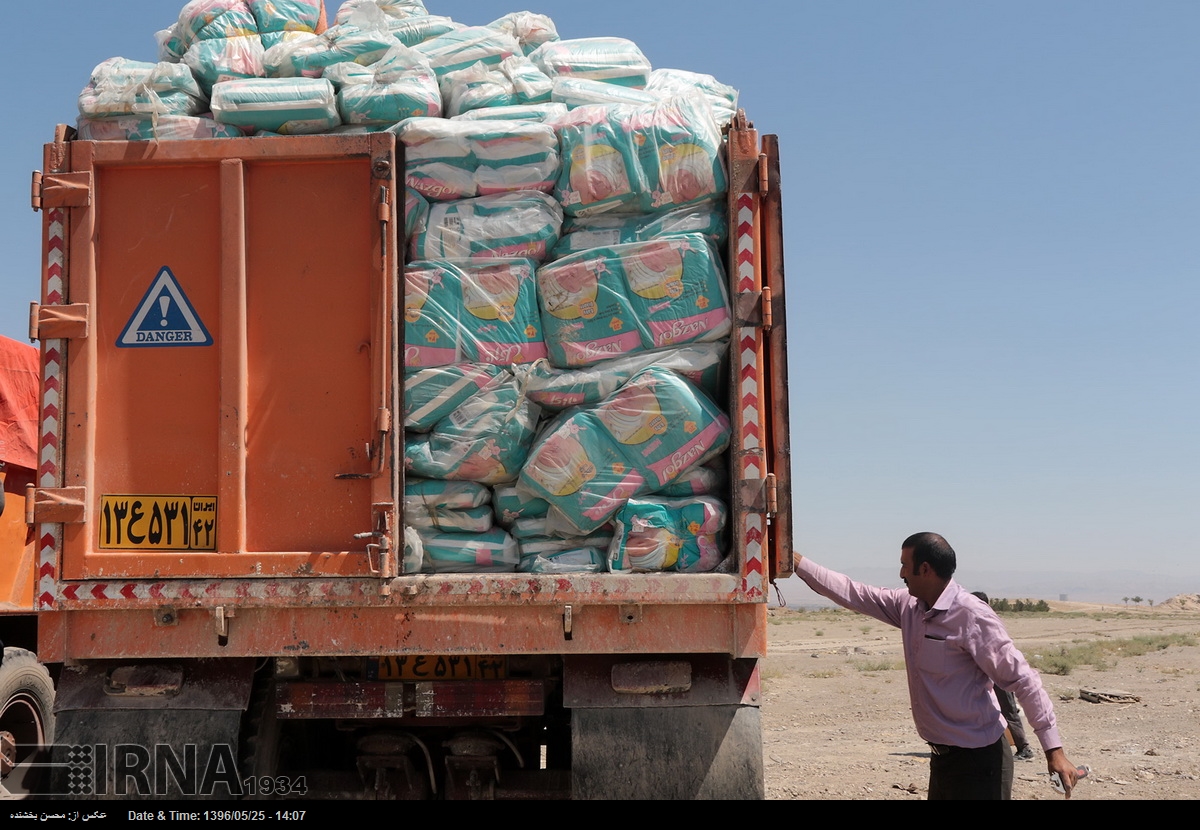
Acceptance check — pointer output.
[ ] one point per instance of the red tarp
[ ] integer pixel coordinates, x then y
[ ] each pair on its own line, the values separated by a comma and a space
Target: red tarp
19, 381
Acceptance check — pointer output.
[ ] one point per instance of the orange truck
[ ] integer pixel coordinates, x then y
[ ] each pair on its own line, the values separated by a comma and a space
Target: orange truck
218, 572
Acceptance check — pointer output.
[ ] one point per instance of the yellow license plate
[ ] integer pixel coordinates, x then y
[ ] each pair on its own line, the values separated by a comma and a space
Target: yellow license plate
425, 667
158, 523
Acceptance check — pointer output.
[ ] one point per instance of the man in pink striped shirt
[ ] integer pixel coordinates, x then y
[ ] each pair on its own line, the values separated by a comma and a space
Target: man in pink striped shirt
955, 649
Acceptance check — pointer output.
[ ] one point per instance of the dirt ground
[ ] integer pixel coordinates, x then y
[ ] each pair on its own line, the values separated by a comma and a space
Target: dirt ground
837, 725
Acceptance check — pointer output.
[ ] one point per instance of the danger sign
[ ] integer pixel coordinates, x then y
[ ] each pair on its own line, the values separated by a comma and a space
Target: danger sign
164, 317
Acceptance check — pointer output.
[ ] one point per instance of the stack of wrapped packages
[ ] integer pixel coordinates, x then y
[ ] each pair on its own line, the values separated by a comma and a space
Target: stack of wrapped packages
566, 313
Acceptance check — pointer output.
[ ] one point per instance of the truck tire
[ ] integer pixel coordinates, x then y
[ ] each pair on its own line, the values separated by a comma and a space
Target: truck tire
26, 701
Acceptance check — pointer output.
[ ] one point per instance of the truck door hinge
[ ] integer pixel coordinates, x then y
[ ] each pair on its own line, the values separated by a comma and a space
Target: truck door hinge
385, 209
384, 419
60, 190
754, 309
59, 322
760, 495
61, 505
764, 178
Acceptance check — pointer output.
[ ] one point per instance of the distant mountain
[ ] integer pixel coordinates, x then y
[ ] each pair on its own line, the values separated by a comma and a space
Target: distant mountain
1108, 587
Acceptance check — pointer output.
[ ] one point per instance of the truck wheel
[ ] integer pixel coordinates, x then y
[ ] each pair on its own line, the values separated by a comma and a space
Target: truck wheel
26, 703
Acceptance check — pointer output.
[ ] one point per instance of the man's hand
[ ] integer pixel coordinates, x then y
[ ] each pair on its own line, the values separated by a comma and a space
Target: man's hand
1056, 761
796, 560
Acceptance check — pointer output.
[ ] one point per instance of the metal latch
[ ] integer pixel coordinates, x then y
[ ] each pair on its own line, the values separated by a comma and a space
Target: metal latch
568, 622
222, 616
376, 453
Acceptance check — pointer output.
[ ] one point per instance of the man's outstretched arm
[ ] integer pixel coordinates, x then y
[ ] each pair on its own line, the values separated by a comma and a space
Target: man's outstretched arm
883, 604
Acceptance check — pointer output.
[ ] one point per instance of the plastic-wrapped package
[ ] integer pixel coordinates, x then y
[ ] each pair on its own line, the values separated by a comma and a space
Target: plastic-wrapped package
708, 480
414, 551
413, 31
607, 229
530, 30
609, 302
434, 393
530, 527
486, 439
276, 18
123, 87
447, 160
547, 546
416, 211
213, 60
511, 505
515, 81
678, 290
499, 311
469, 45
586, 313
613, 60
539, 113
589, 461
482, 310
668, 83
628, 158
587, 560
668, 535
213, 19
399, 86
395, 9
520, 224
581, 92
445, 520
664, 424
491, 552
364, 39
432, 307
558, 389
289, 106
421, 494
159, 128
171, 47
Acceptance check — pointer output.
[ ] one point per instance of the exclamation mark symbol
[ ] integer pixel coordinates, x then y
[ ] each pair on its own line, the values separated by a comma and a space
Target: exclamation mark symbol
165, 304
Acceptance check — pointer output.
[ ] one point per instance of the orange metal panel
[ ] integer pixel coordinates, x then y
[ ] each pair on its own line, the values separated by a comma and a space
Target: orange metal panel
239, 300
737, 630
312, 399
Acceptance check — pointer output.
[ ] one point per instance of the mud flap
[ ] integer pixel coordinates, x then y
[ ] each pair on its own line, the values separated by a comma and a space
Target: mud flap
150, 731
665, 727
691, 752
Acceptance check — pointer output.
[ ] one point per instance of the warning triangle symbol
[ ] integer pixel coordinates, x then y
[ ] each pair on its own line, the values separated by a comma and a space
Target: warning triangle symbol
164, 317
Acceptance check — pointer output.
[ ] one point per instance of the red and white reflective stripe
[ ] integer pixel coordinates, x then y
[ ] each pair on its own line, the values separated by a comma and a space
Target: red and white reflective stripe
753, 583
50, 535
364, 592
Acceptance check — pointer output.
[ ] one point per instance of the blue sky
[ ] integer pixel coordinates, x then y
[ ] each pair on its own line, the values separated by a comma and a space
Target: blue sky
991, 215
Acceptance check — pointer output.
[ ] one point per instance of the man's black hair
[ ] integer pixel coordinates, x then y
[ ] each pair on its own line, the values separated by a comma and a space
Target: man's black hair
931, 548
